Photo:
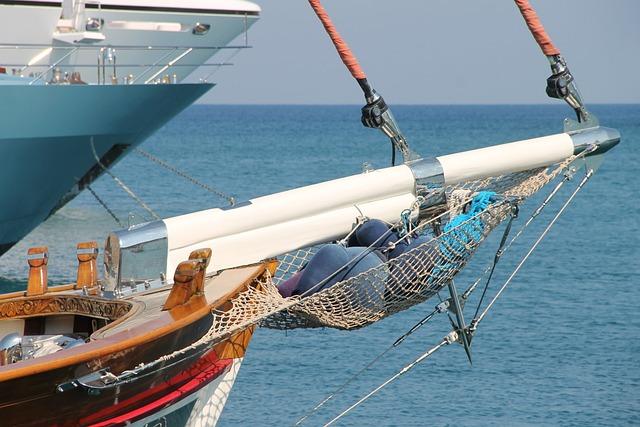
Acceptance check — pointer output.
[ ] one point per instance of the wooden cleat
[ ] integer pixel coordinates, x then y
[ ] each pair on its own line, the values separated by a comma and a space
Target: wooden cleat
87, 253
183, 284
38, 278
203, 256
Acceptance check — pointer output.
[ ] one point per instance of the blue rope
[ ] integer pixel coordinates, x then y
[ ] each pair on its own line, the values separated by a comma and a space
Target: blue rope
405, 218
461, 232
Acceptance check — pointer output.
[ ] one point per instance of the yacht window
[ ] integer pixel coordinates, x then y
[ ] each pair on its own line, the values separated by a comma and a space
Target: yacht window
148, 26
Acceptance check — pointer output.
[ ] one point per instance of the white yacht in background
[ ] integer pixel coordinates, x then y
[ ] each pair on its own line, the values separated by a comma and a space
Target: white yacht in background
79, 75
139, 37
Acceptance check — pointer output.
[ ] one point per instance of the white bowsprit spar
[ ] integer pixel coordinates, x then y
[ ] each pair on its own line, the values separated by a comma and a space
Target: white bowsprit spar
434, 217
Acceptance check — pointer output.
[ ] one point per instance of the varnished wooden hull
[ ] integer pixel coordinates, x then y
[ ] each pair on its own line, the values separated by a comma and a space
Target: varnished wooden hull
28, 389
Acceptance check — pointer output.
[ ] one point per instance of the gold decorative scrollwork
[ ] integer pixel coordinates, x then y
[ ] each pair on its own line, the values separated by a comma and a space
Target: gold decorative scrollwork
64, 304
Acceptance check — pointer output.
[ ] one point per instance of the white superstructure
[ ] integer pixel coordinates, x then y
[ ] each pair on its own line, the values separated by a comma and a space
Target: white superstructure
144, 41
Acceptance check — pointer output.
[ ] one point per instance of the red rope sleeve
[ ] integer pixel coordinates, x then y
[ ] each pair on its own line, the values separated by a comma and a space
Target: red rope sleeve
537, 30
343, 49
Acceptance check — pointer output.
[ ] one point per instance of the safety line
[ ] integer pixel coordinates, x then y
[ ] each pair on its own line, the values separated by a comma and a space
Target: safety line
448, 340
535, 245
122, 185
182, 174
104, 205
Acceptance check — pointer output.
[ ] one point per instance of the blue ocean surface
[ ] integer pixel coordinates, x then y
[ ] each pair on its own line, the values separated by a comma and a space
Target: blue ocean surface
562, 347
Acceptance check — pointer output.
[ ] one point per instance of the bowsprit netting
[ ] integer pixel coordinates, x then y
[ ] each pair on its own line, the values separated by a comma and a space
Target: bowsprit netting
396, 285
416, 275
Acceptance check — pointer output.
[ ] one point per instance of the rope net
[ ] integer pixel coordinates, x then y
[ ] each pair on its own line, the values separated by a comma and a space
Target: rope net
417, 274
393, 286
396, 284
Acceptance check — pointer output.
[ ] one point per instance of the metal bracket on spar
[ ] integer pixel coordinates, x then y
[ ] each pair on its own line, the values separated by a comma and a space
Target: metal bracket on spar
603, 138
561, 85
428, 172
377, 115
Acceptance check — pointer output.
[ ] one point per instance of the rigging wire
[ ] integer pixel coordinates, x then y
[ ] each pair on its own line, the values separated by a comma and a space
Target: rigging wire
453, 336
439, 309
217, 68
446, 341
503, 247
230, 199
496, 259
393, 155
104, 205
121, 184
535, 245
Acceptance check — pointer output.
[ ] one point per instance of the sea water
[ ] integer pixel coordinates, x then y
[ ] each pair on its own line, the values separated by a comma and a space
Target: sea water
562, 347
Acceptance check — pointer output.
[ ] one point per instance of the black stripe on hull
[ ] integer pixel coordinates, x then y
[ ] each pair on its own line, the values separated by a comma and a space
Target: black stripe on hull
171, 9
134, 8
4, 247
30, 3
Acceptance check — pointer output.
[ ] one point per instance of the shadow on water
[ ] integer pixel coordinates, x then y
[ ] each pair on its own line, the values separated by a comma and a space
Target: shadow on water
8, 285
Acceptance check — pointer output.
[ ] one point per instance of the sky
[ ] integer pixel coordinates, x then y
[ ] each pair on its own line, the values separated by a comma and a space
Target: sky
434, 52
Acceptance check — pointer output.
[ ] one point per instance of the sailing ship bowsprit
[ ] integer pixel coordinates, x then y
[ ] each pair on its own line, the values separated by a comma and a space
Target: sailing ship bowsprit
163, 333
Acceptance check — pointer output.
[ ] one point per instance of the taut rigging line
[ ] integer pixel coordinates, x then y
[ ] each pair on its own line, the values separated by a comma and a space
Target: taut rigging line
454, 336
376, 114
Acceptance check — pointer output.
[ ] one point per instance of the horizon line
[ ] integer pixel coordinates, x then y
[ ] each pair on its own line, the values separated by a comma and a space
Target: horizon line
294, 104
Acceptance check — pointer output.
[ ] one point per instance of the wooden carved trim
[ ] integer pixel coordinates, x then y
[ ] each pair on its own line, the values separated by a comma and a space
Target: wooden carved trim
164, 324
64, 304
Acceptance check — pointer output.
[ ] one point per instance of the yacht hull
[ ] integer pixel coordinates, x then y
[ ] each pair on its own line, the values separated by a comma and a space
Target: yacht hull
170, 392
146, 366
46, 156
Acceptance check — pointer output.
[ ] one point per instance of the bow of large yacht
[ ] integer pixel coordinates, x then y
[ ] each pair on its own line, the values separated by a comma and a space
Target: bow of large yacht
83, 82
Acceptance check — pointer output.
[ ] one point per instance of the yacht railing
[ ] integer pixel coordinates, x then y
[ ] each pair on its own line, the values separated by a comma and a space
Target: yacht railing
54, 65
66, 63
